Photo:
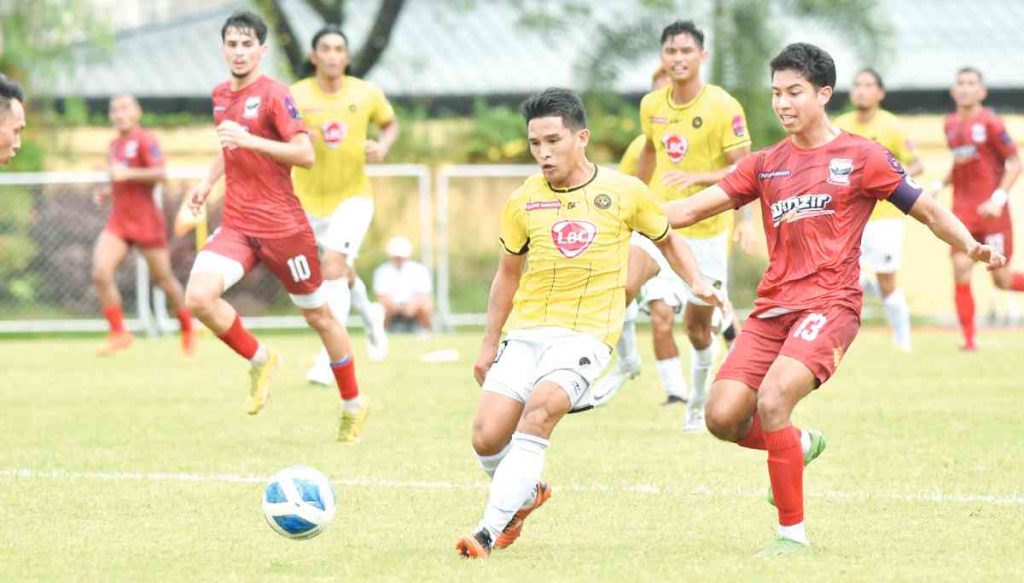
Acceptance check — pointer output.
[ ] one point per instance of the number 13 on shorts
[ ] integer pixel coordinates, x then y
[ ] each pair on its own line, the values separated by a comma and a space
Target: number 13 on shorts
810, 327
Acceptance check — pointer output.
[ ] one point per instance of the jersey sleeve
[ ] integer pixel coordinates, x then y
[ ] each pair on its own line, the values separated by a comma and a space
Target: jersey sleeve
885, 179
741, 185
514, 236
381, 112
149, 152
1000, 139
285, 116
733, 127
647, 218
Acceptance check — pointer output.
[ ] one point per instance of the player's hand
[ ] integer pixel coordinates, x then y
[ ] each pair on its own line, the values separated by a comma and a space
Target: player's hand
197, 197
101, 197
118, 173
990, 210
709, 295
743, 235
987, 254
233, 135
488, 352
680, 180
375, 151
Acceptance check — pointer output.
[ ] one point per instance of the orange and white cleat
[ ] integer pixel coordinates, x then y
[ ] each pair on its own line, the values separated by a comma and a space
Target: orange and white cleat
515, 526
116, 342
189, 341
475, 546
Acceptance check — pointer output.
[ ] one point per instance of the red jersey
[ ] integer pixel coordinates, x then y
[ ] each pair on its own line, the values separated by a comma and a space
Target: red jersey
133, 201
814, 205
259, 200
980, 147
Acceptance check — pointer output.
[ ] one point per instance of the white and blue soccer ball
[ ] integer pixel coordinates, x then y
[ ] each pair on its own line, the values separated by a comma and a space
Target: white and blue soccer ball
299, 502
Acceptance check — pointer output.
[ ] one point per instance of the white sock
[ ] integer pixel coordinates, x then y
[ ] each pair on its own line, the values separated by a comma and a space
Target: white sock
794, 532
805, 441
339, 298
360, 300
489, 463
898, 313
671, 373
514, 481
260, 357
352, 405
627, 343
700, 369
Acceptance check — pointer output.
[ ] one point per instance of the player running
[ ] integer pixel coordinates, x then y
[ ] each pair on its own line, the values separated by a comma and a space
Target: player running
12, 119
561, 316
136, 166
262, 136
817, 189
985, 167
336, 193
882, 245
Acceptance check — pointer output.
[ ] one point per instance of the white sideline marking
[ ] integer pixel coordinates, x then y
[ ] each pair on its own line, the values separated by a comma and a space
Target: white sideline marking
699, 490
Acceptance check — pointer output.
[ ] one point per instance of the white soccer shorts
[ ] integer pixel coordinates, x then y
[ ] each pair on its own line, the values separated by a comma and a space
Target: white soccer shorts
882, 245
712, 255
343, 230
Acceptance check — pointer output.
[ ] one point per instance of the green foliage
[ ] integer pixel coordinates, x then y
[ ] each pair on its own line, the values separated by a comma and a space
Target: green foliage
498, 134
38, 36
31, 157
17, 248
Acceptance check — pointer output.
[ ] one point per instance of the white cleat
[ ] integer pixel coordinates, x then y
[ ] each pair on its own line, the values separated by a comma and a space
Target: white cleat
376, 336
694, 421
611, 383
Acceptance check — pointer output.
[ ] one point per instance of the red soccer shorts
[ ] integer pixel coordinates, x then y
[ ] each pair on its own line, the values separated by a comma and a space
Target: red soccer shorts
818, 338
148, 234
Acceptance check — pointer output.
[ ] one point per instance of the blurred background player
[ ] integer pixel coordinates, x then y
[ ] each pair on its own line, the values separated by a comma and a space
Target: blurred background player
561, 316
985, 166
695, 131
818, 187
402, 286
262, 136
336, 193
12, 119
882, 245
136, 166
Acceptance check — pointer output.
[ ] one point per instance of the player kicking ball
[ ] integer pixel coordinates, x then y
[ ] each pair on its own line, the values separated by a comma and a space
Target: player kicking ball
262, 136
817, 189
562, 315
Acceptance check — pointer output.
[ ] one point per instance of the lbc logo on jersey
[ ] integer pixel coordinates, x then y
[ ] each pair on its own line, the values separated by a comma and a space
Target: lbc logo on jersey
334, 133
675, 146
572, 238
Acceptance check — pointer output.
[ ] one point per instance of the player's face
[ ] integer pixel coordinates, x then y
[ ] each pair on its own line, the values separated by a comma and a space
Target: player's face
968, 90
866, 94
11, 124
557, 148
124, 113
331, 56
242, 52
796, 102
681, 57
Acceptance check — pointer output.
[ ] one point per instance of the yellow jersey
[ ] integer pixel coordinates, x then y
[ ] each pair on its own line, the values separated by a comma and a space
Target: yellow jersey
578, 244
337, 125
885, 129
630, 162
693, 137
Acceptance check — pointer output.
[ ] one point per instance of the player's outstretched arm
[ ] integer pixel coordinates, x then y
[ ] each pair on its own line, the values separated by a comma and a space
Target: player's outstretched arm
152, 174
947, 227
706, 203
296, 152
682, 261
499, 306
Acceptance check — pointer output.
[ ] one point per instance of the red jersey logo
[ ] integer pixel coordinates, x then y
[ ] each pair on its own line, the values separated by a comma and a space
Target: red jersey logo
334, 132
572, 238
676, 147
739, 129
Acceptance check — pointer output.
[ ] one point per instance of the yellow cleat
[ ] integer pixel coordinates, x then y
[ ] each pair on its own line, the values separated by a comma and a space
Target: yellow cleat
259, 384
352, 423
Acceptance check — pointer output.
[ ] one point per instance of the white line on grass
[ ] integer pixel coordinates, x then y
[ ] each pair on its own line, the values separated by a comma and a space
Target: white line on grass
699, 490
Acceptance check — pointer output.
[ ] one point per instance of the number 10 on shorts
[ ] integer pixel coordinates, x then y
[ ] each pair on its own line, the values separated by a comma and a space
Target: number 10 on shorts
810, 327
299, 267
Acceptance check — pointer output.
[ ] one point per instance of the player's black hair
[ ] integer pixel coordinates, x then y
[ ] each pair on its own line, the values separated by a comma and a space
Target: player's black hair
245, 21
683, 27
556, 102
875, 74
811, 62
970, 69
326, 30
9, 91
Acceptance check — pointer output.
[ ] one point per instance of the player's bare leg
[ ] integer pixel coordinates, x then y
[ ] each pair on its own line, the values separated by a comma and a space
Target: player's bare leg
338, 345
108, 254
160, 272
1006, 279
203, 299
962, 265
896, 310
697, 320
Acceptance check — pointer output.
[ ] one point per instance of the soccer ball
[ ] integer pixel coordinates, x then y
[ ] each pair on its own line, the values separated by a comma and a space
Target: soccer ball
298, 502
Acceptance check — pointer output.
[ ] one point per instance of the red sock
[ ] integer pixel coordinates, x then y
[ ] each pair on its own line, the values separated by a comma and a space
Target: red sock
965, 311
345, 374
754, 439
115, 316
786, 470
1017, 281
185, 319
240, 340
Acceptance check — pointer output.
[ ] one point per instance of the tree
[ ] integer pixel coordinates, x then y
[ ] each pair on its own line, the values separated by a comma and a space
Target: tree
39, 35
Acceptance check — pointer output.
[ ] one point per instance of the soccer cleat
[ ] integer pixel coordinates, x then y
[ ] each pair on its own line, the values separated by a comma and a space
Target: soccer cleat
115, 342
376, 335
782, 546
259, 384
818, 444
673, 399
189, 341
350, 429
515, 526
475, 546
611, 383
694, 421
969, 346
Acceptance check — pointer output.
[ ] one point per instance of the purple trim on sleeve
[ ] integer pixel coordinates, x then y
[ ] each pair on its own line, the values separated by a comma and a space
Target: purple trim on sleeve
906, 194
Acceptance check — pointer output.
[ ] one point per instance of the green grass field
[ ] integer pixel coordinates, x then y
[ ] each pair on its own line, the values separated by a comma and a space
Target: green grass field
144, 467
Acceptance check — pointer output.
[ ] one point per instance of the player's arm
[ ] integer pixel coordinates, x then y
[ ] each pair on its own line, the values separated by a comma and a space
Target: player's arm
706, 203
645, 163
499, 306
298, 151
151, 174
993, 207
377, 150
944, 224
199, 191
682, 261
